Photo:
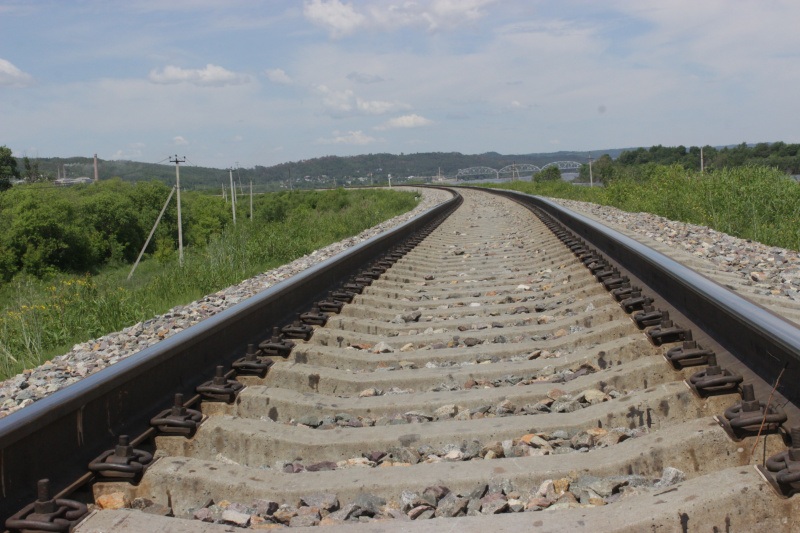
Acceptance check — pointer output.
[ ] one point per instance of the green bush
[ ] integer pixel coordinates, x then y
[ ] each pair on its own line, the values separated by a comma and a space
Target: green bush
44, 317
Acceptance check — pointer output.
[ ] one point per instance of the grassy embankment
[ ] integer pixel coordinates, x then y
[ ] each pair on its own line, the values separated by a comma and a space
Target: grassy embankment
44, 317
752, 202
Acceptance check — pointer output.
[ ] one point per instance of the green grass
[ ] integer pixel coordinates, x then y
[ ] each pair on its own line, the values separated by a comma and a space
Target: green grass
42, 318
752, 202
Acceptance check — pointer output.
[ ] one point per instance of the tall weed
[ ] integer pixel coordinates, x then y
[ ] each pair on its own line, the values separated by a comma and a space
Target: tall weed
750, 202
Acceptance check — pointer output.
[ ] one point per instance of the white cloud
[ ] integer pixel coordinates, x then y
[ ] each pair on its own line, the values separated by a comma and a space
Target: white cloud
132, 151
406, 121
338, 18
179, 141
360, 77
11, 76
211, 76
337, 101
433, 15
344, 19
346, 102
350, 137
278, 76
237, 138
378, 107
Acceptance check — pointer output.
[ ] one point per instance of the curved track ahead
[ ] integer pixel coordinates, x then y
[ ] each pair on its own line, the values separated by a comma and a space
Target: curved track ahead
486, 380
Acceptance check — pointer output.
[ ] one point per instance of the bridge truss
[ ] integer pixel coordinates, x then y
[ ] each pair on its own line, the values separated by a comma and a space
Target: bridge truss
564, 165
516, 169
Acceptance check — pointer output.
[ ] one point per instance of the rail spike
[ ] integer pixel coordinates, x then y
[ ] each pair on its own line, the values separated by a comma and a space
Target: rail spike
298, 329
252, 364
751, 417
689, 353
47, 514
178, 420
713, 380
782, 470
276, 345
220, 388
123, 462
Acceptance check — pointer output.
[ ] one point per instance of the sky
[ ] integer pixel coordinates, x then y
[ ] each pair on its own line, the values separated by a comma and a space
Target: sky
248, 83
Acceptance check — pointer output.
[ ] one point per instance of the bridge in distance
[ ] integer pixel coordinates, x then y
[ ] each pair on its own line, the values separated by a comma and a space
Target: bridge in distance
517, 169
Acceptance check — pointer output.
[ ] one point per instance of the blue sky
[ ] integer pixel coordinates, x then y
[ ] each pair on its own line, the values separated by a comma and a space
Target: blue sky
261, 83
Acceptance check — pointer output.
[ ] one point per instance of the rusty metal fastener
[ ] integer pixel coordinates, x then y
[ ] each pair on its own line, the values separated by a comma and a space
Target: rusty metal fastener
330, 305
178, 420
635, 302
666, 331
315, 317
623, 291
615, 282
378, 268
298, 330
353, 286
342, 295
689, 353
751, 416
592, 257
276, 345
369, 273
363, 280
597, 266
46, 513
649, 316
251, 364
579, 250
123, 462
783, 469
220, 389
714, 379
606, 273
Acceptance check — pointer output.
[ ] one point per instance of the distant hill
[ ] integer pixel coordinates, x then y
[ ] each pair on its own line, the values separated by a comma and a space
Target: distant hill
311, 173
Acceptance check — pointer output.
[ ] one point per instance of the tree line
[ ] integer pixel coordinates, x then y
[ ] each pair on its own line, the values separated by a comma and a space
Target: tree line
639, 164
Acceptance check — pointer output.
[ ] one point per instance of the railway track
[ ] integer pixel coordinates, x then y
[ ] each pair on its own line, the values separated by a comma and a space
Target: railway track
503, 373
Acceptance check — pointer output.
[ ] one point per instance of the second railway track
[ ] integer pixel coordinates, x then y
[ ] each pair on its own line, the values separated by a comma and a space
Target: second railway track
487, 380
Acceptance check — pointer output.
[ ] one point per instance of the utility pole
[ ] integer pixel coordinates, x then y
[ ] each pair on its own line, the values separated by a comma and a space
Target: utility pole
180, 222
701, 160
224, 196
251, 200
591, 178
233, 196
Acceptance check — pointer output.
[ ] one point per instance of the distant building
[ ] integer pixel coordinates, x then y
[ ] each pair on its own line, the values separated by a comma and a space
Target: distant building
73, 181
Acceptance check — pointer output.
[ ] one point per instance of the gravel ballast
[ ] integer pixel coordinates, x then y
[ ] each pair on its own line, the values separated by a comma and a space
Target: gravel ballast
769, 275
89, 357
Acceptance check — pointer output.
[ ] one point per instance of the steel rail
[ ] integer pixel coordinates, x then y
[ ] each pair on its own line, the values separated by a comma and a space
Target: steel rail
59, 435
764, 341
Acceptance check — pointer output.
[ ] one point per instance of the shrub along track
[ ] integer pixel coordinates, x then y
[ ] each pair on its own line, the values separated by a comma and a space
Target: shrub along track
491, 377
